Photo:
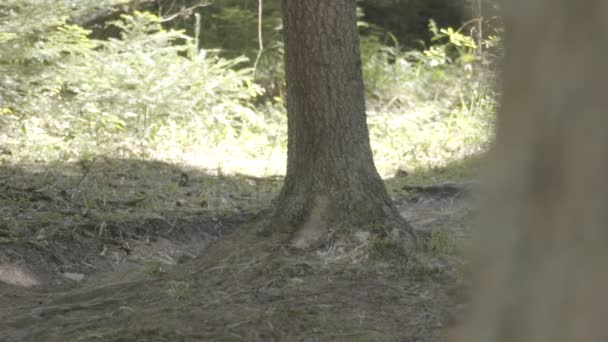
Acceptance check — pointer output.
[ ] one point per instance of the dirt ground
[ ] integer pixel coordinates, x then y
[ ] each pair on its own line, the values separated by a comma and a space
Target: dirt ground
164, 253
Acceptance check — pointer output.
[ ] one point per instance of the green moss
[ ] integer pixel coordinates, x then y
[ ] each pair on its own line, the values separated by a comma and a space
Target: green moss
423, 273
384, 248
436, 243
179, 291
440, 243
153, 268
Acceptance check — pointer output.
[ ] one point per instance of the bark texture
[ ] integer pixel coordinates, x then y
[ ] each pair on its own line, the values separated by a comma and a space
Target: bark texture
540, 264
331, 177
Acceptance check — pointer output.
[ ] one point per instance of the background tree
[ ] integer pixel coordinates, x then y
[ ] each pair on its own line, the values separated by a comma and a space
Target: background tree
540, 272
331, 178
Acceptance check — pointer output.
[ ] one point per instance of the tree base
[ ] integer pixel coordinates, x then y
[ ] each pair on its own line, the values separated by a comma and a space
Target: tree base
311, 224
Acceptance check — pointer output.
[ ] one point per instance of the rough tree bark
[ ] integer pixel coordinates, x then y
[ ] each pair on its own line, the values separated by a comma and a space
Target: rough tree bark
331, 179
540, 270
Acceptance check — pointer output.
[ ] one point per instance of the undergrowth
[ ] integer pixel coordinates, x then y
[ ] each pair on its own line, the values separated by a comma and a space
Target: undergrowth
152, 94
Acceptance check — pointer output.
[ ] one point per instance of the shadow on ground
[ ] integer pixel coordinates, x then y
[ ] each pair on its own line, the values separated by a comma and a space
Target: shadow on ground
129, 250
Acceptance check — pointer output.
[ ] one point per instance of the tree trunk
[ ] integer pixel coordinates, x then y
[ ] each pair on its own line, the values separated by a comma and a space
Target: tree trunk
331, 178
540, 264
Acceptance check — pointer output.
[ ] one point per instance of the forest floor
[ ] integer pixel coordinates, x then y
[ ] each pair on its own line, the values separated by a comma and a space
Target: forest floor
126, 250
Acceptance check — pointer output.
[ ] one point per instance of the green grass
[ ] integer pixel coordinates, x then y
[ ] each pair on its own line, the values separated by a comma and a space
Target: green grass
162, 101
115, 198
85, 148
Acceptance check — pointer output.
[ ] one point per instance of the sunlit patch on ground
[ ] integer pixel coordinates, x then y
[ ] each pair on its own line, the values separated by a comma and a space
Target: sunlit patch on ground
17, 275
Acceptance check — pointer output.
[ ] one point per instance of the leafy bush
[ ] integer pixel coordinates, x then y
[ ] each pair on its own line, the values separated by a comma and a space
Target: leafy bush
428, 108
129, 96
152, 93
407, 19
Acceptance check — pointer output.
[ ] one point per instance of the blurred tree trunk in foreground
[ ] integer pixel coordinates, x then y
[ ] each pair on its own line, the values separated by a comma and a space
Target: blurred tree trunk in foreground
540, 270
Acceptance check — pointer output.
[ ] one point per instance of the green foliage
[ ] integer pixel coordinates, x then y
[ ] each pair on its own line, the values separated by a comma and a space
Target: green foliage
428, 108
437, 243
407, 19
232, 26
385, 248
132, 95
456, 47
152, 92
179, 291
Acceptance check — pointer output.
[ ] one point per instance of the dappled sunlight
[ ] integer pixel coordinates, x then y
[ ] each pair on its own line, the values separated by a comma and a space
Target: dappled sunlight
143, 153
415, 139
232, 160
164, 104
